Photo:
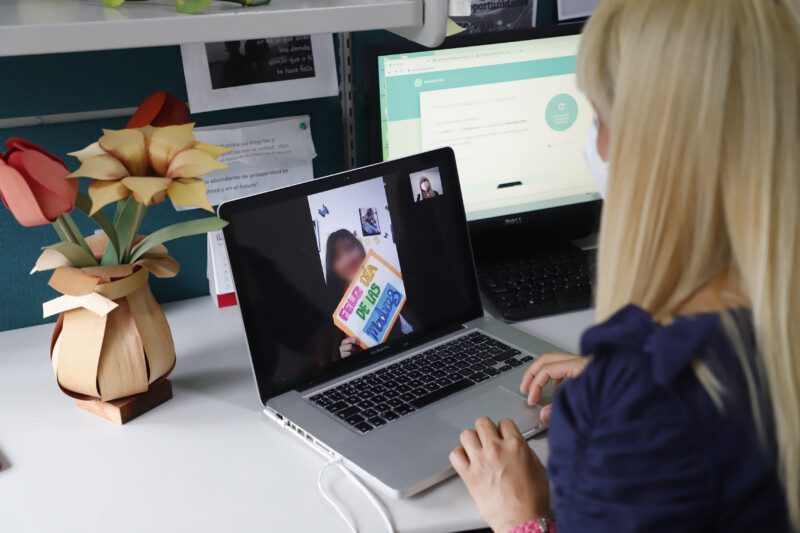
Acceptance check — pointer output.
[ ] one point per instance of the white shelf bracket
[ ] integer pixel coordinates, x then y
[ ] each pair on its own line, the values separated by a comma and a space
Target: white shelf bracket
434, 24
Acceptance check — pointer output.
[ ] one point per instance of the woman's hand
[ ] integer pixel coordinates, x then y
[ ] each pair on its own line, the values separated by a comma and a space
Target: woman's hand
348, 347
504, 477
550, 367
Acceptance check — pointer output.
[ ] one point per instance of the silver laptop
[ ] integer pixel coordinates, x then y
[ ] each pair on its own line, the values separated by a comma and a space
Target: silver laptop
360, 304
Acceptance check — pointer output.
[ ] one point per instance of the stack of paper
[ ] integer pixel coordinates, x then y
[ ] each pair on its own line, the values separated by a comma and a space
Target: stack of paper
265, 155
220, 279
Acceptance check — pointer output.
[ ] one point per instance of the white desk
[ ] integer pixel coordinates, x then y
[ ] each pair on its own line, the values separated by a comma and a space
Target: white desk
204, 461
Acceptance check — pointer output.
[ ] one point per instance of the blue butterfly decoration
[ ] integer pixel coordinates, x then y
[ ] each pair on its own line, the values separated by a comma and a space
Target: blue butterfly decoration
324, 211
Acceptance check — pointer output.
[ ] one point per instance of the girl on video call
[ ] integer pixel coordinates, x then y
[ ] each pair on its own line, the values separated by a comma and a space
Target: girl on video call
344, 254
425, 189
684, 412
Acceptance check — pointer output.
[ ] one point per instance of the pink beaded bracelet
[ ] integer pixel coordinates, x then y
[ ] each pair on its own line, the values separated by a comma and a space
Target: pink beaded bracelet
539, 525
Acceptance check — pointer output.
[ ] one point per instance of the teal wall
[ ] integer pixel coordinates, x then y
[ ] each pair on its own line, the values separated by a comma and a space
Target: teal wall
62, 83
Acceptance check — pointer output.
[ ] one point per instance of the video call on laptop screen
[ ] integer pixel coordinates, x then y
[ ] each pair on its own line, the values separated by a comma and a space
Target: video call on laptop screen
335, 277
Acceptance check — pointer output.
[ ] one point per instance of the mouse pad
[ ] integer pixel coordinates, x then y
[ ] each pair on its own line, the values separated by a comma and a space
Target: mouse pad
497, 403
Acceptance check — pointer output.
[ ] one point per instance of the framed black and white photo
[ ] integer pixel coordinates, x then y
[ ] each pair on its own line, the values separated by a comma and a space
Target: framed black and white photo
229, 74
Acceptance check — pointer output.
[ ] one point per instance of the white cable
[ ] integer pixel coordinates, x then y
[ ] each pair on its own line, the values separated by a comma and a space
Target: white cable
371, 497
360, 484
330, 501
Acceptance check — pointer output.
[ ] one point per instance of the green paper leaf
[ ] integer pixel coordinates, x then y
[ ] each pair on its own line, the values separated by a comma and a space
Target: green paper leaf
118, 209
111, 256
113, 3
128, 222
62, 234
74, 253
191, 6
176, 231
76, 233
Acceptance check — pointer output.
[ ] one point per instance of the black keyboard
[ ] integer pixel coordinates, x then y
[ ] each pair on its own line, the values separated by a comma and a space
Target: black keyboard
380, 397
540, 286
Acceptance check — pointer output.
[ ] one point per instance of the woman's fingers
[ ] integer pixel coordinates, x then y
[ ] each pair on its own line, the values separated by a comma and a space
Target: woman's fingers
550, 367
459, 460
536, 366
471, 443
536, 387
545, 413
486, 429
539, 382
509, 430
556, 372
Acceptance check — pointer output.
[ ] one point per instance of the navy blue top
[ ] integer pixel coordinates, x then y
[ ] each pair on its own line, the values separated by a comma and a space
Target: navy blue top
637, 444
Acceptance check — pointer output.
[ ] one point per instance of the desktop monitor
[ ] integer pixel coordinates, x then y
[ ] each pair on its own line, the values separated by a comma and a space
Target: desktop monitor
509, 107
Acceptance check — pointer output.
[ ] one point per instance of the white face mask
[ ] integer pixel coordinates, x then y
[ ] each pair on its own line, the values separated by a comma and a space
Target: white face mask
597, 166
425, 185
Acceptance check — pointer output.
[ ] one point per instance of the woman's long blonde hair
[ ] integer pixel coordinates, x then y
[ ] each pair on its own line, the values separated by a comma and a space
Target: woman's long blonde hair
703, 101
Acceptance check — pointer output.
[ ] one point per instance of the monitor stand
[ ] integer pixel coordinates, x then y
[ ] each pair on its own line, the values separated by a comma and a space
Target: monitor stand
527, 273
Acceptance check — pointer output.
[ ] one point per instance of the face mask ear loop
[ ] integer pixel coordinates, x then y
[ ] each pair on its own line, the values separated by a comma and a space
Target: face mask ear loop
597, 167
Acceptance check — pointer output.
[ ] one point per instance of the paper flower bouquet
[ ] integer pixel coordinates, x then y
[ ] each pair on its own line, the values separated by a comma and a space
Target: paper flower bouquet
111, 339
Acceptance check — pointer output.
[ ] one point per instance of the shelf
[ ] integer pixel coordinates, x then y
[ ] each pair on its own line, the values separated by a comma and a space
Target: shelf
55, 26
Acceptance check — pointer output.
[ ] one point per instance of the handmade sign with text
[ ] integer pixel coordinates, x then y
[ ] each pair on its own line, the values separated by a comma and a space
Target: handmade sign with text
372, 302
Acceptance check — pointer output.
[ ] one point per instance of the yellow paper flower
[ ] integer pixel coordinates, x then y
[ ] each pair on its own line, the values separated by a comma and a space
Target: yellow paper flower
149, 164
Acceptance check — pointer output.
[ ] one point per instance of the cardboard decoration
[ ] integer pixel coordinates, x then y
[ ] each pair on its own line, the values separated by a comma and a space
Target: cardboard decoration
372, 303
112, 339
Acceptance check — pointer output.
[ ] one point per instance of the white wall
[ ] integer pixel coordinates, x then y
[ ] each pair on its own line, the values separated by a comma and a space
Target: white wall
343, 204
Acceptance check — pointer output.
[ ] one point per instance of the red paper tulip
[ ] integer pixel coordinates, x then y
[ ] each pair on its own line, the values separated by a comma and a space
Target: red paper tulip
160, 109
33, 184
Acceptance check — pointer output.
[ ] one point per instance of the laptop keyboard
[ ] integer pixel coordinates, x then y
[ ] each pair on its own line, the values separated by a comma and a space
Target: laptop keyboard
383, 396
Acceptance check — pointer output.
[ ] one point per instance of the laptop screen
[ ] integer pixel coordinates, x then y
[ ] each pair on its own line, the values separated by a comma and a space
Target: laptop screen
338, 272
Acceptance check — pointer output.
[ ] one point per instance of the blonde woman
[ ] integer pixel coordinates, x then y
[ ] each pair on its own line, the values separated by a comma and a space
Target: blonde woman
687, 415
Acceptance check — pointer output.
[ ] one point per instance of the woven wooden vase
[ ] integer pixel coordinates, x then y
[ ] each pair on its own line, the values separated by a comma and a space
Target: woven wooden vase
111, 339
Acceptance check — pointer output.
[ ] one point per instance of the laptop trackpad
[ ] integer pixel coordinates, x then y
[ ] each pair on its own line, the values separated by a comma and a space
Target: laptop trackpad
497, 403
